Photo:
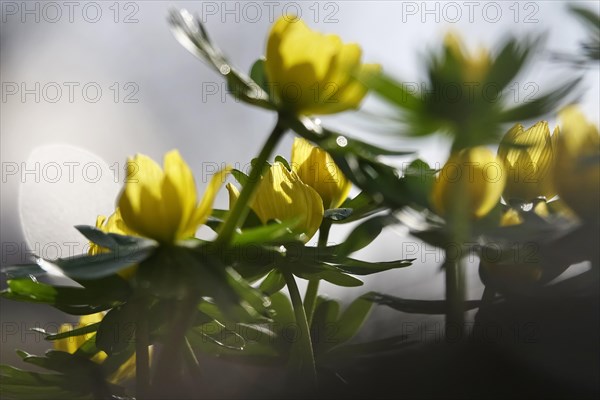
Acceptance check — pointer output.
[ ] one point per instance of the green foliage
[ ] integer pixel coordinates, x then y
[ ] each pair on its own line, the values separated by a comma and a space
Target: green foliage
473, 116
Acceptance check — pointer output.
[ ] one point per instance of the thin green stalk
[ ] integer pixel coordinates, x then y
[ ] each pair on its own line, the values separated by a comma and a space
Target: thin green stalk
240, 210
192, 361
312, 290
459, 221
455, 299
142, 357
306, 359
171, 359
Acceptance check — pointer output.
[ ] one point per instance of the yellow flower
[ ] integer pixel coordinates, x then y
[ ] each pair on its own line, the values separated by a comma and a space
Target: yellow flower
70, 345
163, 205
281, 195
528, 157
469, 184
577, 169
113, 224
312, 73
474, 67
512, 216
316, 168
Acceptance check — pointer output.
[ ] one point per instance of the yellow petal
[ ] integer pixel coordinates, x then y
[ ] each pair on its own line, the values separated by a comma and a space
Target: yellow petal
577, 170
179, 197
317, 169
282, 196
309, 72
529, 167
140, 201
204, 209
469, 184
511, 217
234, 194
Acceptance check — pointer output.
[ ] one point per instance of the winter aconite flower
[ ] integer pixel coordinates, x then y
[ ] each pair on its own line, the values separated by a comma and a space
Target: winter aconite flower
528, 157
113, 224
473, 67
471, 183
577, 168
316, 168
313, 73
282, 196
162, 204
70, 345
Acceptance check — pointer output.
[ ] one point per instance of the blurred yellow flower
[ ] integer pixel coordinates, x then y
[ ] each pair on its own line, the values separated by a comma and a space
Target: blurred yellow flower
281, 195
163, 205
113, 224
470, 184
528, 157
474, 67
313, 73
316, 168
512, 216
577, 169
70, 345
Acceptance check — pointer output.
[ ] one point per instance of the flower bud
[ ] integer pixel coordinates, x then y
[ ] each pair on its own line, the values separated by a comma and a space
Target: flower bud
469, 185
528, 157
312, 73
577, 168
282, 196
316, 168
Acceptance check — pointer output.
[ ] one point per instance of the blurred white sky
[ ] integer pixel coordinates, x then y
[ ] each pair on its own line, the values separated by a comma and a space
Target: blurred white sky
174, 110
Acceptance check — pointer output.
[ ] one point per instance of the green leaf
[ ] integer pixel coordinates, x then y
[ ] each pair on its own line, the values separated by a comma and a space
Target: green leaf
65, 297
285, 162
324, 324
73, 332
273, 283
376, 348
541, 105
87, 267
416, 306
239, 176
110, 241
362, 206
588, 16
337, 214
258, 74
337, 278
352, 319
190, 33
117, 328
394, 92
270, 233
364, 234
283, 310
18, 384
358, 267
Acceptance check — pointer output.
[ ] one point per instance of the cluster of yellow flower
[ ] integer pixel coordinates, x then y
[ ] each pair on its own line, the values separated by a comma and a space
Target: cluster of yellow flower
530, 164
163, 203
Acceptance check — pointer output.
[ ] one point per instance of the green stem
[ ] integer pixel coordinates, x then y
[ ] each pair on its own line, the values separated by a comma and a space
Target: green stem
169, 366
312, 290
306, 360
142, 357
192, 361
240, 209
455, 300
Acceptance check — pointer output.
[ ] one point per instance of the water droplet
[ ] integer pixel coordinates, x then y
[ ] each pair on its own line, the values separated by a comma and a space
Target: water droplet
225, 69
341, 141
